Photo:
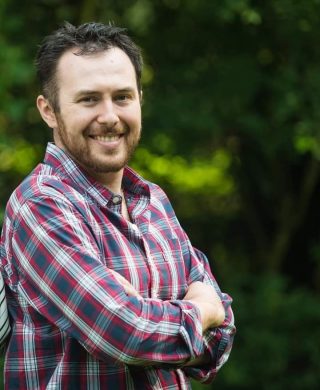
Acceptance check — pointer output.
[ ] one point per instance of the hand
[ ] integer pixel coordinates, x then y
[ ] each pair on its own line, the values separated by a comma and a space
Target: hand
208, 302
128, 288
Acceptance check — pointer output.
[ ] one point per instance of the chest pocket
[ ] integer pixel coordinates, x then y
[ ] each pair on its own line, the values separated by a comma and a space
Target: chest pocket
168, 260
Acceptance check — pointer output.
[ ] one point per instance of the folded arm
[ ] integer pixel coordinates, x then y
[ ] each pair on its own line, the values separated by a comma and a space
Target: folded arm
217, 339
64, 277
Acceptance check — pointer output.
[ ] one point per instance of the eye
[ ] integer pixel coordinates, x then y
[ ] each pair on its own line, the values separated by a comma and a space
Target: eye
88, 100
122, 98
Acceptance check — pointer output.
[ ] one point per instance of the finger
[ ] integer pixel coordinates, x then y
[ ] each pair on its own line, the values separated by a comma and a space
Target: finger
131, 291
128, 288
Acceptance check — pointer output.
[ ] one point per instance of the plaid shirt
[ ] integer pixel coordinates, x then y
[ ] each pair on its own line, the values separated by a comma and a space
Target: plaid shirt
73, 326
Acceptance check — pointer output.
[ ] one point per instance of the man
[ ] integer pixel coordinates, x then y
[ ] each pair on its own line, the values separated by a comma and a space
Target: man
104, 288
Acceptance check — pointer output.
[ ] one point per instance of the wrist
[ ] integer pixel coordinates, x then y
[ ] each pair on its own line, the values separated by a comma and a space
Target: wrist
211, 315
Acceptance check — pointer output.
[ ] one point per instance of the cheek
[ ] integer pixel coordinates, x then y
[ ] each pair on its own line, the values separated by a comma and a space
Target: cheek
76, 123
134, 117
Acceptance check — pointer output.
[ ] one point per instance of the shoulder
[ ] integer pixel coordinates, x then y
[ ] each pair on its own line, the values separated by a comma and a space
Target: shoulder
41, 184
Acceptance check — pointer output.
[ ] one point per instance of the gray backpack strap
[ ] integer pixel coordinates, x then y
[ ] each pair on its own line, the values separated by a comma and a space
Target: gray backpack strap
4, 317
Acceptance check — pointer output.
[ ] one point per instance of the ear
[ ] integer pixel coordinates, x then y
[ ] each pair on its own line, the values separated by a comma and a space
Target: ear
46, 111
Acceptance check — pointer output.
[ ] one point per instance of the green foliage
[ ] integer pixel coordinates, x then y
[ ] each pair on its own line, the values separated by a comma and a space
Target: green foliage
231, 131
212, 174
277, 345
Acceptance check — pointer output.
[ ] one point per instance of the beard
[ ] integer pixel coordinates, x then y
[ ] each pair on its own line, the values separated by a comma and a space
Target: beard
82, 150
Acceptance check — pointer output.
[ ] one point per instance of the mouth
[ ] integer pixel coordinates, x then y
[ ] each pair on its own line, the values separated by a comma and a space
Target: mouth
107, 138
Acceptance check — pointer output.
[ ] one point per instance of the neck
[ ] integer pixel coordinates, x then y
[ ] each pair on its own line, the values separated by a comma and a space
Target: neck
112, 180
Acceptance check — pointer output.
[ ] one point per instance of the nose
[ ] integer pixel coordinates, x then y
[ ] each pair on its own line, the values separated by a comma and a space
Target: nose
107, 114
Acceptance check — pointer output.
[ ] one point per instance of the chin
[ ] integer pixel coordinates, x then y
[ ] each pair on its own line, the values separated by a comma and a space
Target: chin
109, 167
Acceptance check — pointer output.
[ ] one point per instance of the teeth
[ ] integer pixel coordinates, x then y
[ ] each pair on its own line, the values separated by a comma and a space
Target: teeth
107, 138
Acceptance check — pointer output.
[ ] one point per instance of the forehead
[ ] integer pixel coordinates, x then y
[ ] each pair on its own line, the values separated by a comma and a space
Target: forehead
106, 67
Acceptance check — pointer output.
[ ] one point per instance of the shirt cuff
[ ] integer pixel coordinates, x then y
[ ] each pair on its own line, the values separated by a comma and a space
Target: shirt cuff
191, 327
217, 344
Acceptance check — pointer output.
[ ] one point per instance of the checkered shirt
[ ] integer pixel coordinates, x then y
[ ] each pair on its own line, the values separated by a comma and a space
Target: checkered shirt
73, 325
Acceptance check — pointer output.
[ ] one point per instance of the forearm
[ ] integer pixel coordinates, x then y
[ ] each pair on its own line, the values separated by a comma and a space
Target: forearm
218, 343
217, 340
206, 299
96, 311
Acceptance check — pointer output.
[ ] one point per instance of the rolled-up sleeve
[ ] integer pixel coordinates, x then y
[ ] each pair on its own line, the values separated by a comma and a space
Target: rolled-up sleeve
217, 341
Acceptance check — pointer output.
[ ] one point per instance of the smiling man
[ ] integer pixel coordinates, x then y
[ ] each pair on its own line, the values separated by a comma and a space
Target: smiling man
103, 286
99, 117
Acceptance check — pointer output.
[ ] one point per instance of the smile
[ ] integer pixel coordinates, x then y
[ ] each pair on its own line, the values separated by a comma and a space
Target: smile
107, 138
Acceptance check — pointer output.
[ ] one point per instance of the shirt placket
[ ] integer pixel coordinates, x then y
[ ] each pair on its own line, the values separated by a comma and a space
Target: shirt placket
154, 273
141, 227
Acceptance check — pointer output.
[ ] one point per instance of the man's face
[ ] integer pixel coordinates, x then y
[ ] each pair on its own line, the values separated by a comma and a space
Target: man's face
99, 122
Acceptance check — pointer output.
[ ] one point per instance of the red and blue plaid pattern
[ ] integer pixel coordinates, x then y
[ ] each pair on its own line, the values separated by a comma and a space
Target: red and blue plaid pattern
73, 325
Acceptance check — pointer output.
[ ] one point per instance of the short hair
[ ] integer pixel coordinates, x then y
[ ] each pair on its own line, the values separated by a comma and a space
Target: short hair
88, 38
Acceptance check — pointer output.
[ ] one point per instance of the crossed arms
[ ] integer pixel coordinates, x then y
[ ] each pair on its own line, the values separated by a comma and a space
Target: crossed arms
63, 275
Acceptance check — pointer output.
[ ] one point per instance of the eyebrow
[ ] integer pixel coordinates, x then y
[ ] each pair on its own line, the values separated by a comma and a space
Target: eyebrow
94, 92
126, 90
85, 92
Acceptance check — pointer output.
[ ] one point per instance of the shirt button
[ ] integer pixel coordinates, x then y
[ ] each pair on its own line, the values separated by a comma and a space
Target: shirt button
117, 199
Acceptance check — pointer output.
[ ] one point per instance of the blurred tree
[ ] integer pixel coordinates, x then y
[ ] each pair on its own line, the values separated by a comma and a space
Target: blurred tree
231, 131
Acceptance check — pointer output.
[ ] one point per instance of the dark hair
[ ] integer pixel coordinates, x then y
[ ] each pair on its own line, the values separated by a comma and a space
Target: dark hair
88, 38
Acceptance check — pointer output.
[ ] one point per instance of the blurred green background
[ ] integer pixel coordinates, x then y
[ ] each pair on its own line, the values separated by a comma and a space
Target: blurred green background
231, 131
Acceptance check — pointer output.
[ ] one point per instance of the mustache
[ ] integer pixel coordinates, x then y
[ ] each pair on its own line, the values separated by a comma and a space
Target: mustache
104, 130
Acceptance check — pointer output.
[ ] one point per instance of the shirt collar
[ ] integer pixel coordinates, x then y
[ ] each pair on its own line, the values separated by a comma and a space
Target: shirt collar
67, 168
